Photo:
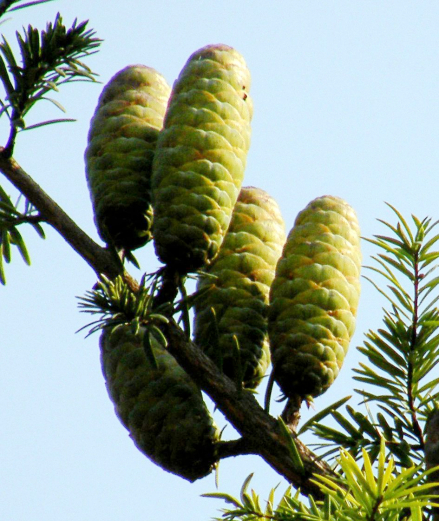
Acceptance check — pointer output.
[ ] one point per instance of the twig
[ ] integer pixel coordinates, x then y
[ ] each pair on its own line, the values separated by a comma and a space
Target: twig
100, 259
291, 412
9, 148
229, 449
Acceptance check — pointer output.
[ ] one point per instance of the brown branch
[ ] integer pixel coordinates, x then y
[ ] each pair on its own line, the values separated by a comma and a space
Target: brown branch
260, 431
229, 449
100, 259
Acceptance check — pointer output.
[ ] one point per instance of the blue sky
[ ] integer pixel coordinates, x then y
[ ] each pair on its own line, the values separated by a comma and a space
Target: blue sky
346, 97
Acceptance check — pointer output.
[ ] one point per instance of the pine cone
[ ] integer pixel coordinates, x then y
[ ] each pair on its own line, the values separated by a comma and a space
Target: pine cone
314, 298
121, 144
236, 287
161, 407
201, 155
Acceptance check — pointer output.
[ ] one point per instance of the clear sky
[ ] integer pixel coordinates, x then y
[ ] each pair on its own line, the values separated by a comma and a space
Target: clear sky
346, 97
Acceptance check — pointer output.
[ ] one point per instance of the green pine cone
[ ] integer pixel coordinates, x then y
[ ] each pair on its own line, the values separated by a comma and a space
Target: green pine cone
201, 155
314, 298
121, 144
161, 407
238, 285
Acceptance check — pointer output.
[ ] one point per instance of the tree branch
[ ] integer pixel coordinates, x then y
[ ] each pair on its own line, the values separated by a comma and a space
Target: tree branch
260, 431
229, 449
101, 260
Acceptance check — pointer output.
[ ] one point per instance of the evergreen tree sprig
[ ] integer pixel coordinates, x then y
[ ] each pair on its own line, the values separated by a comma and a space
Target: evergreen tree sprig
48, 59
401, 355
380, 493
11, 217
116, 303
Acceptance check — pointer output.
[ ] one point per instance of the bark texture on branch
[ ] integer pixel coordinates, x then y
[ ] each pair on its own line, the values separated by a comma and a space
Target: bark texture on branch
100, 259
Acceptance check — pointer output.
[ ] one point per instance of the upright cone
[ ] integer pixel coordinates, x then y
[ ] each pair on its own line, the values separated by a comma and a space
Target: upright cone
231, 310
121, 144
201, 156
314, 298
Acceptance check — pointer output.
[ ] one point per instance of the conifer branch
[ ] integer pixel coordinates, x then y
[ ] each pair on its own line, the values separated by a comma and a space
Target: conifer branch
100, 259
260, 430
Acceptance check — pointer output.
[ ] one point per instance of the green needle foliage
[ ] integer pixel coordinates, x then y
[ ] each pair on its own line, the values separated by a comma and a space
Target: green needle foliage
361, 493
403, 353
11, 217
48, 59
115, 303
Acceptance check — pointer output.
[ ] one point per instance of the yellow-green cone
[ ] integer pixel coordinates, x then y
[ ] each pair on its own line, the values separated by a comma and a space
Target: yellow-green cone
161, 406
314, 298
201, 156
238, 285
121, 144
